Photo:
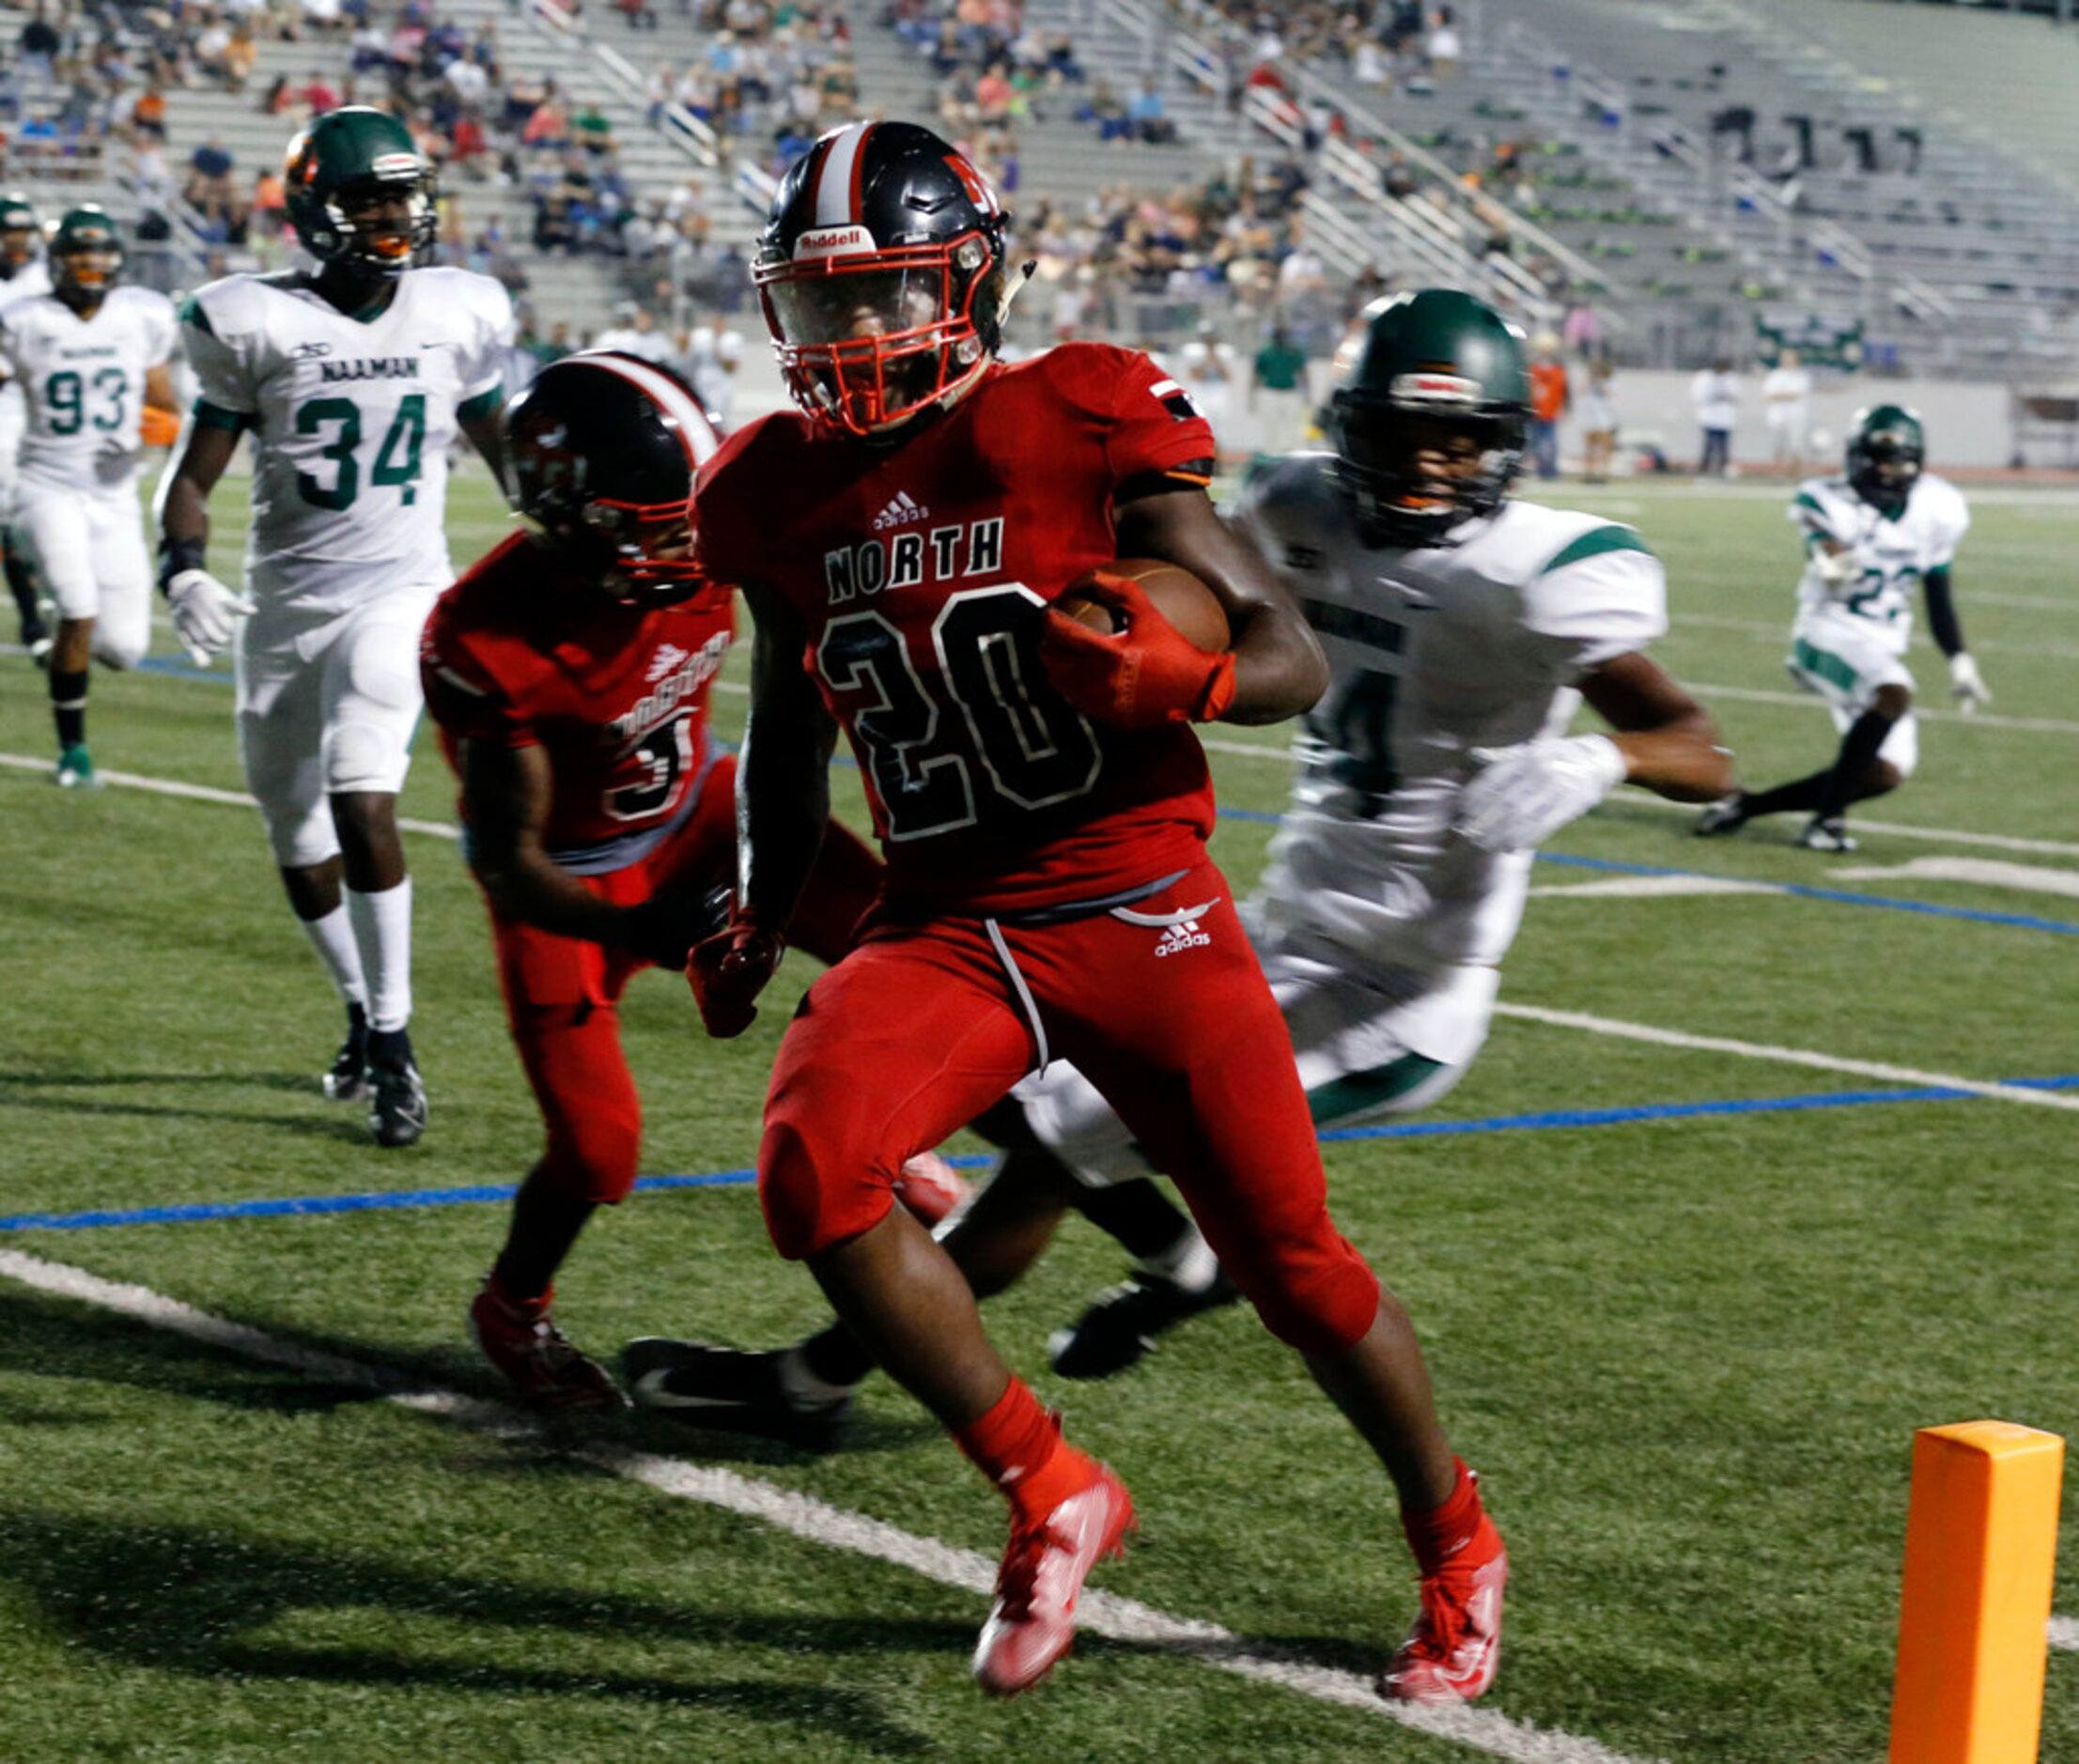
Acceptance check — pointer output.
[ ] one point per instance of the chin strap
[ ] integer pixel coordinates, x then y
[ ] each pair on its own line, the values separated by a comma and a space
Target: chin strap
1011, 288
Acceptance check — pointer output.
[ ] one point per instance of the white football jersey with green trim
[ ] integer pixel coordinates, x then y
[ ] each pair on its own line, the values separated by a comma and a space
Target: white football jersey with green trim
1433, 653
83, 380
1890, 555
352, 423
26, 282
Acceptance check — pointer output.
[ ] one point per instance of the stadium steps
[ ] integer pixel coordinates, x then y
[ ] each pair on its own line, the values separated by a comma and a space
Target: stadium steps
1941, 292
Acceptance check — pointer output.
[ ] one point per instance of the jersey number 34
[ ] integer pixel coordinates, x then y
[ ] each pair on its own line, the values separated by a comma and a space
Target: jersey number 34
397, 461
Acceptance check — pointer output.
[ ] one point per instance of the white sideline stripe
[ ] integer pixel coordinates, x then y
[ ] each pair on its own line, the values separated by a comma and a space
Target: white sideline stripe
208, 792
818, 1521
1982, 720
2064, 1633
1787, 1056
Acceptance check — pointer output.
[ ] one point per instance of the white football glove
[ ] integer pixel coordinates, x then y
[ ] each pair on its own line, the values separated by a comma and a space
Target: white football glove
1524, 795
1837, 569
203, 608
1967, 686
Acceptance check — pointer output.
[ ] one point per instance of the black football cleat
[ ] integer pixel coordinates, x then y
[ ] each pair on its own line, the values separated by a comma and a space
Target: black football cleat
397, 1103
1728, 814
699, 1385
348, 1079
1119, 1329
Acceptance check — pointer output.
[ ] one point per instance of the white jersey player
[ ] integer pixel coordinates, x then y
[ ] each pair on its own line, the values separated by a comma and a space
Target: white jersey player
1870, 536
23, 273
354, 383
1461, 632
89, 357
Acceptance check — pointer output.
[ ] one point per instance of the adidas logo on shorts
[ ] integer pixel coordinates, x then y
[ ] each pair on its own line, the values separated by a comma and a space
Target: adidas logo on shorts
1184, 935
900, 513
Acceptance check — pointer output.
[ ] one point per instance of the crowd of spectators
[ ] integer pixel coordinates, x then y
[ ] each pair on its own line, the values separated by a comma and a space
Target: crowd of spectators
770, 79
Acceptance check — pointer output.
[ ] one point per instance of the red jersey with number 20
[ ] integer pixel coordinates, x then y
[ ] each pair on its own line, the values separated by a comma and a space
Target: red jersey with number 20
522, 653
920, 571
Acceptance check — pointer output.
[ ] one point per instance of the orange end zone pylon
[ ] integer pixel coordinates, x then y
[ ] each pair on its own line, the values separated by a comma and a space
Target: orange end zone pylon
1982, 1548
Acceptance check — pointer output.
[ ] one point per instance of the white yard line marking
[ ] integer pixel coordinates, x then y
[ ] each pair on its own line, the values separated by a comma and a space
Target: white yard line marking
2029, 878
1658, 887
1772, 632
2064, 1633
1895, 829
804, 1516
447, 829
1789, 1056
1982, 720
206, 793
2023, 603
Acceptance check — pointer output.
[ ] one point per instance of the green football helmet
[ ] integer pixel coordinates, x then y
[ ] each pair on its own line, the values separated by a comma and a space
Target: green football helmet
1429, 427
338, 171
87, 256
20, 233
1887, 448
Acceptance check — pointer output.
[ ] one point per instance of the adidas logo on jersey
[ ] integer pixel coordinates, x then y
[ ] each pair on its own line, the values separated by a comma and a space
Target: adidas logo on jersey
900, 513
1184, 935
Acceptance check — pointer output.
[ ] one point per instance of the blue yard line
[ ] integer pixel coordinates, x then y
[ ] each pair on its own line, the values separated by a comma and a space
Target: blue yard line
1839, 897
484, 1194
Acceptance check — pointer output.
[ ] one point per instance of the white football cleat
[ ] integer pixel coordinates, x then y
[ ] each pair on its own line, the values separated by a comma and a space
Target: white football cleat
1033, 1622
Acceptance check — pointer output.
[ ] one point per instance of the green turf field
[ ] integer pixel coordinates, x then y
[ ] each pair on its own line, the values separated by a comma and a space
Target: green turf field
1687, 1351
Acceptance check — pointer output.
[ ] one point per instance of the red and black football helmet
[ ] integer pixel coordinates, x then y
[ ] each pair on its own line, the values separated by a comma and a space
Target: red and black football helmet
881, 270
603, 449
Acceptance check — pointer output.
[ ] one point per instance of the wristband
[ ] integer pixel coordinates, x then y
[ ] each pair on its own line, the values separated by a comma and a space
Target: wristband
176, 555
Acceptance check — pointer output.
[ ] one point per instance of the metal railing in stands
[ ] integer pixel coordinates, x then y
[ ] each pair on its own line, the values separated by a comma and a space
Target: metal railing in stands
752, 183
1361, 120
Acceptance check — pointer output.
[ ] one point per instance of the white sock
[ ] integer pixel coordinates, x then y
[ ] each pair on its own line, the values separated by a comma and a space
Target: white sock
382, 933
1189, 1261
333, 938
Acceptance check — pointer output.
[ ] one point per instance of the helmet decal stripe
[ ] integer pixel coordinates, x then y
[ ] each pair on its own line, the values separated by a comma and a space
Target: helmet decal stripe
837, 179
695, 433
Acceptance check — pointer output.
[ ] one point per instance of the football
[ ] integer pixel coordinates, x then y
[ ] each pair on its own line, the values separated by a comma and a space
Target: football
1180, 596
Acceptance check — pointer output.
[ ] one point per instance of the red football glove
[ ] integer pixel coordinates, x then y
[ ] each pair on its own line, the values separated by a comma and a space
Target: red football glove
1141, 677
729, 970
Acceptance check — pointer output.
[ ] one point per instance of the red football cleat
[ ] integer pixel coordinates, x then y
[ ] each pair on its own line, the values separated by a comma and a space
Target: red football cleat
1450, 1654
1033, 1622
930, 1187
545, 1368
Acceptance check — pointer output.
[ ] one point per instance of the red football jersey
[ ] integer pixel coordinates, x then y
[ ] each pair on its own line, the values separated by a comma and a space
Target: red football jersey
922, 570
522, 653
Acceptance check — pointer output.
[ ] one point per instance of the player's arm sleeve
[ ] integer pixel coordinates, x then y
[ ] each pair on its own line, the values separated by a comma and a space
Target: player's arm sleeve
463, 696
1156, 438
1943, 624
1953, 522
1813, 519
226, 397
161, 330
484, 369
1603, 595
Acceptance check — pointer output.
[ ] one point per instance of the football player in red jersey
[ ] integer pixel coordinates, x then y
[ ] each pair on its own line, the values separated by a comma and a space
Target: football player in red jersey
569, 671
1042, 806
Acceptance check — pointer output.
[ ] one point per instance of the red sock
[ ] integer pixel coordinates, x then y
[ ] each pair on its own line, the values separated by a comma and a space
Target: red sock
1019, 1446
1441, 1533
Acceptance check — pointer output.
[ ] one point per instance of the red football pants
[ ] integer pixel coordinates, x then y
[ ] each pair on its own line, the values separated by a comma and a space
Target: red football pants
1161, 1005
562, 994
